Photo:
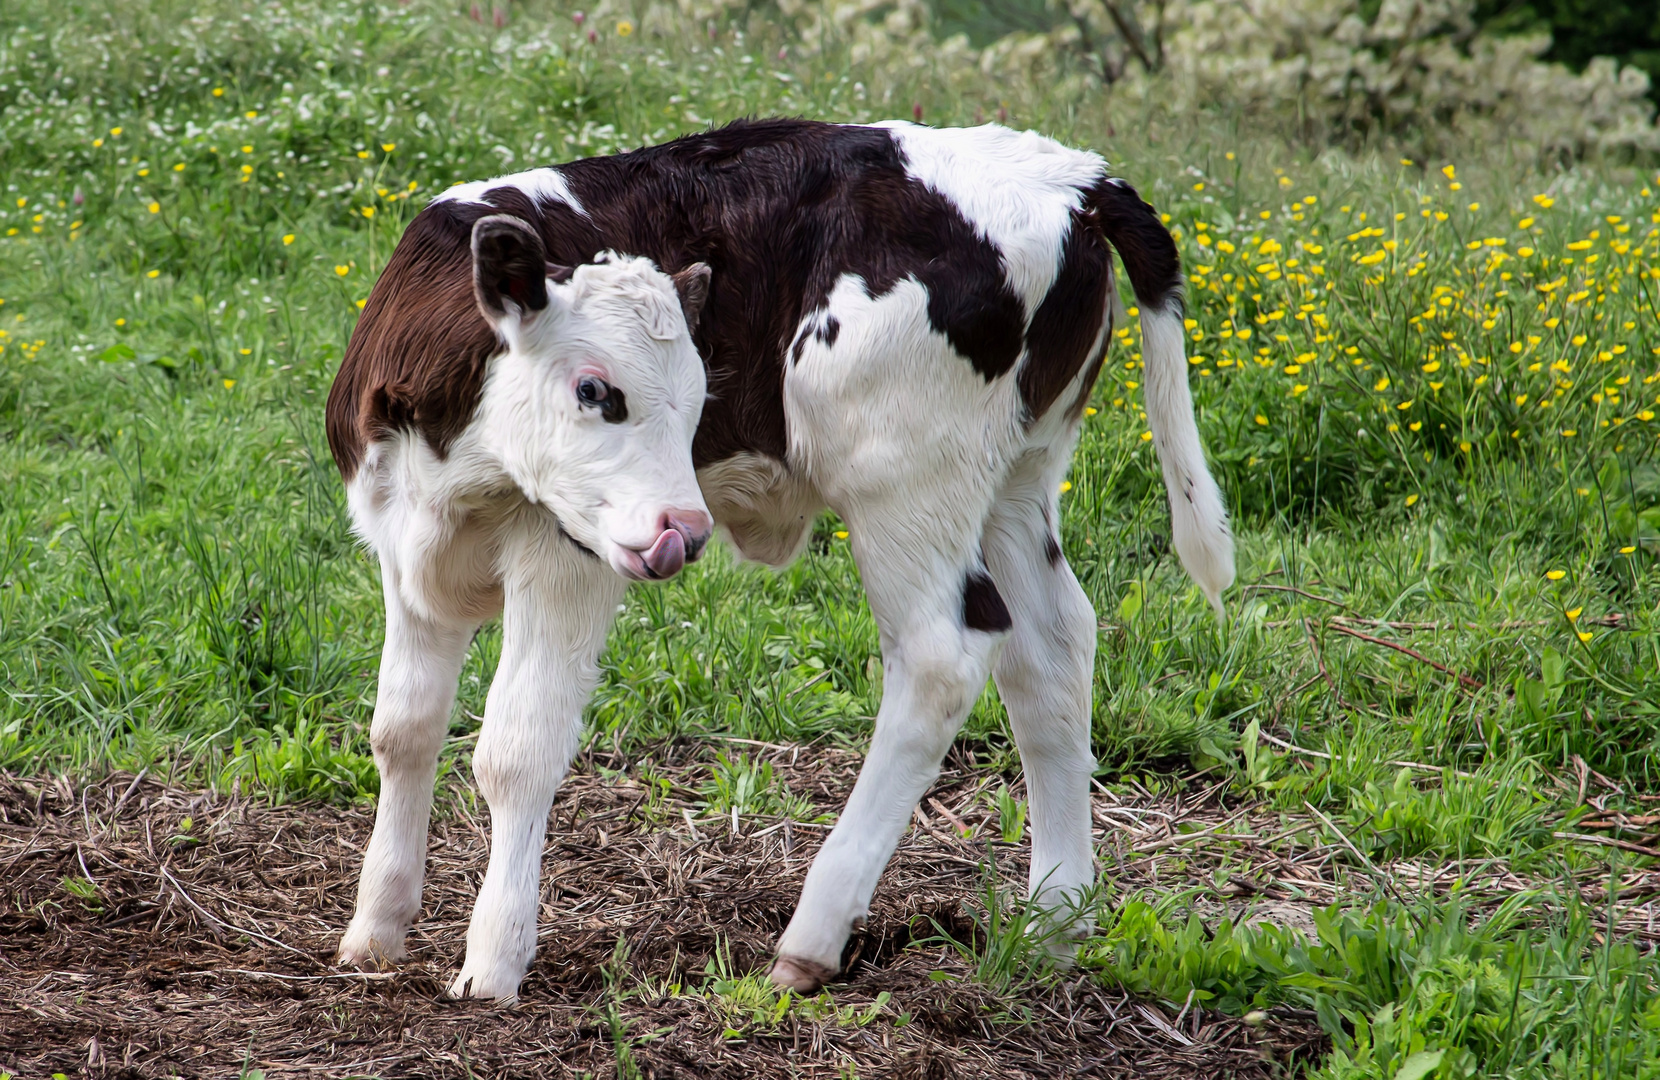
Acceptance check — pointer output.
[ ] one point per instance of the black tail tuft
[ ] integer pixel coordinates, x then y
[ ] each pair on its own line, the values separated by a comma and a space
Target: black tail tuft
1149, 254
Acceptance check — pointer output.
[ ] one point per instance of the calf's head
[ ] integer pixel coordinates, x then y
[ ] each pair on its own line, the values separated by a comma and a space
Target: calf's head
593, 406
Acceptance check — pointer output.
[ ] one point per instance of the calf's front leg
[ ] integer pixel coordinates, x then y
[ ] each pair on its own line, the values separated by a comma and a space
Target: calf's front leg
419, 666
558, 604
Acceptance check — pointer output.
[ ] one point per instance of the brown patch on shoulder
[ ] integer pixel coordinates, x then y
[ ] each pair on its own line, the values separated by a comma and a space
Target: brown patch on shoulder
416, 359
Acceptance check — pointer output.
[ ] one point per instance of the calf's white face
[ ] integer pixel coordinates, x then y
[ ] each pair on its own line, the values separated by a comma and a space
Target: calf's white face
593, 406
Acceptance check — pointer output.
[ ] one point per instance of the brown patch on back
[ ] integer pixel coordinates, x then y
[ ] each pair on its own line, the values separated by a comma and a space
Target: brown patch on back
416, 359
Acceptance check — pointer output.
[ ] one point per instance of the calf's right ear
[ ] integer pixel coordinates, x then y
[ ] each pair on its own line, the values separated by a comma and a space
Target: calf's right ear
510, 268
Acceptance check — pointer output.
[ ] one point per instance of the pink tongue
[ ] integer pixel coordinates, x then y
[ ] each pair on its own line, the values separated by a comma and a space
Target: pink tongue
667, 555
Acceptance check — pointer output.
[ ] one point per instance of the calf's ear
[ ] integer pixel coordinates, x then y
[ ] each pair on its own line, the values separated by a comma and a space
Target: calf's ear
692, 284
509, 266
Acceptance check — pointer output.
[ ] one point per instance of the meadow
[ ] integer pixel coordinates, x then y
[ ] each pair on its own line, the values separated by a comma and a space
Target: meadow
1428, 389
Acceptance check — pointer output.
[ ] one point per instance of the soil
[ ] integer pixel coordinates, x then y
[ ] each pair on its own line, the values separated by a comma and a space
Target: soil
203, 945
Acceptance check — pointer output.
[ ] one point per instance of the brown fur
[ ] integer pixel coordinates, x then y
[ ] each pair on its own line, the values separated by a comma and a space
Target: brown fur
416, 360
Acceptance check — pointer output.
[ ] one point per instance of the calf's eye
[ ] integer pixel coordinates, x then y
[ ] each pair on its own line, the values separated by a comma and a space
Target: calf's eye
591, 391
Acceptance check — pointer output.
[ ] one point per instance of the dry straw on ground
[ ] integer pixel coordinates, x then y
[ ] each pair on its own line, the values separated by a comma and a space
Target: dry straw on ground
202, 946
205, 948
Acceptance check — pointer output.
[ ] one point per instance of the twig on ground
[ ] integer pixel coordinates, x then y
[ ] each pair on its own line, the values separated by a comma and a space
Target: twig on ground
1464, 680
125, 795
1608, 841
1377, 874
366, 976
1299, 592
956, 821
1295, 749
206, 914
1320, 662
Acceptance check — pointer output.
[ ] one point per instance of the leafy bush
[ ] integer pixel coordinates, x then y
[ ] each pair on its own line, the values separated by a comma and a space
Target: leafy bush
1420, 71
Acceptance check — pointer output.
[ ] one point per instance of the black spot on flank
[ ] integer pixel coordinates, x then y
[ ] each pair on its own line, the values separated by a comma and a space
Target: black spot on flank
983, 607
800, 347
972, 305
1064, 327
1051, 549
827, 333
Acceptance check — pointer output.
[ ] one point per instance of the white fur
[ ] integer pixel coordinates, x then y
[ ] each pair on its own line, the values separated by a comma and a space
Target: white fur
1023, 205
1198, 518
542, 185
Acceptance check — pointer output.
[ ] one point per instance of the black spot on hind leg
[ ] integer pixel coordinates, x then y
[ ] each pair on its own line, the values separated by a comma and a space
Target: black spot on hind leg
983, 606
1051, 545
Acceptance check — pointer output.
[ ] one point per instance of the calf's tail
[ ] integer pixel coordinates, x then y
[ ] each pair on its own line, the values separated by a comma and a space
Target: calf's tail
1198, 518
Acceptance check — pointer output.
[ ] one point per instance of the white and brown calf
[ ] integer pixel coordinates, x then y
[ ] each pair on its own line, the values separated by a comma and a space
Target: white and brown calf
897, 322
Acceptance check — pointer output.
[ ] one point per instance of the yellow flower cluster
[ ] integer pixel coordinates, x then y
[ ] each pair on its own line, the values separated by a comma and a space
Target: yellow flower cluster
1461, 335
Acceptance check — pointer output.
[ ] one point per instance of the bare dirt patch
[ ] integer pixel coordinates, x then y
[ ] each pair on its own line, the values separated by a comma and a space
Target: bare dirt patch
205, 946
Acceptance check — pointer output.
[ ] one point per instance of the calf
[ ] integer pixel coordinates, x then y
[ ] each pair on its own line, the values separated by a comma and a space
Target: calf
897, 322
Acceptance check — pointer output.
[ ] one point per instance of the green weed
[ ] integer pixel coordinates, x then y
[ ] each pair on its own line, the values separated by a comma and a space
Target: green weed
1013, 940
740, 785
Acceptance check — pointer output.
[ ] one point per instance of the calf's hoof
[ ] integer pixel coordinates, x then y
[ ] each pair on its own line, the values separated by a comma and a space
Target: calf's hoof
802, 976
371, 949
484, 985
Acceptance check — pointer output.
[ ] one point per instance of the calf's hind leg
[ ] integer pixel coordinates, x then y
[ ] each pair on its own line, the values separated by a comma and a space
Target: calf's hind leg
1044, 676
941, 620
558, 606
419, 666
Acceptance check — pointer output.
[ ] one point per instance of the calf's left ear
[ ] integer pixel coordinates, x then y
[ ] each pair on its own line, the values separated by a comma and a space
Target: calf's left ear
692, 284
509, 264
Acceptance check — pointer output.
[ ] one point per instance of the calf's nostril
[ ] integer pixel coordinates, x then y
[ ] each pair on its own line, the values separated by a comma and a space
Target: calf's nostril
695, 546
694, 526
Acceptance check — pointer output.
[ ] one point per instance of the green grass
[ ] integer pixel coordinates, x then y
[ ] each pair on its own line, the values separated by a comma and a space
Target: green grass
188, 224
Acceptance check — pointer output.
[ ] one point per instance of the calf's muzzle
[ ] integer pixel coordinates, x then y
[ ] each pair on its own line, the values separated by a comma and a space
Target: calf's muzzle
684, 535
